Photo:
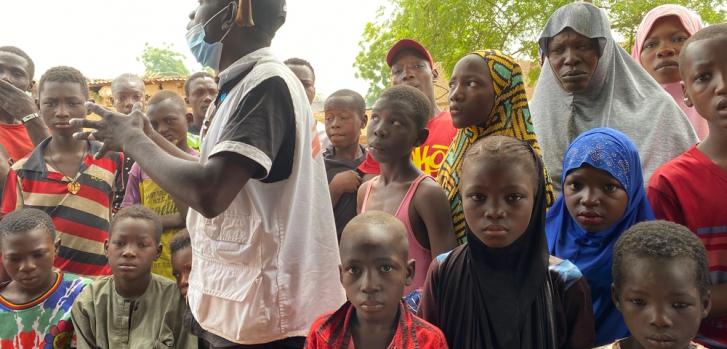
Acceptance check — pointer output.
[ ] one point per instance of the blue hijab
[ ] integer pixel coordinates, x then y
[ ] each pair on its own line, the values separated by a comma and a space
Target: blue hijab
611, 151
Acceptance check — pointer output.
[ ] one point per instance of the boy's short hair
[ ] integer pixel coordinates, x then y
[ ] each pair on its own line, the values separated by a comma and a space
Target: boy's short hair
711, 32
195, 76
25, 220
358, 105
415, 98
180, 241
394, 225
16, 51
128, 77
661, 240
164, 95
139, 212
301, 62
64, 74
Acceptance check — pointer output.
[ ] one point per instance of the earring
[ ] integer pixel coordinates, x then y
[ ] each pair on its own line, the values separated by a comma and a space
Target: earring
244, 14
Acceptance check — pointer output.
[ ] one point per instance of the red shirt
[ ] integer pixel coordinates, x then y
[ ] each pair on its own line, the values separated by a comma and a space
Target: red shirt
691, 190
16, 141
334, 331
430, 155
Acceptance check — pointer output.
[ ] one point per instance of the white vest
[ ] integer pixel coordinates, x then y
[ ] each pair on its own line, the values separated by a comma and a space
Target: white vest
265, 268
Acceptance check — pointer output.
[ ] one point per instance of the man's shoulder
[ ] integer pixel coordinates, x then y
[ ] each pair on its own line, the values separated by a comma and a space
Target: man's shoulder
441, 129
442, 120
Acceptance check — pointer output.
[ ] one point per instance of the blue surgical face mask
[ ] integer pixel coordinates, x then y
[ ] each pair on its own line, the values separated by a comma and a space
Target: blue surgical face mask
207, 54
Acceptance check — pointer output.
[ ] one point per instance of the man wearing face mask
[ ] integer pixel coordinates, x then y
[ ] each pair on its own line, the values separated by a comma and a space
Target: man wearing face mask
263, 236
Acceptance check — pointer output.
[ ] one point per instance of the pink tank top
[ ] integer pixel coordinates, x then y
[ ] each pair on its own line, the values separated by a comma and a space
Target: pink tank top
421, 255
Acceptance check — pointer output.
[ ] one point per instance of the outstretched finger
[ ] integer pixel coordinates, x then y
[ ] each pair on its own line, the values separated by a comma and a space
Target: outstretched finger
86, 123
98, 110
138, 107
84, 136
102, 152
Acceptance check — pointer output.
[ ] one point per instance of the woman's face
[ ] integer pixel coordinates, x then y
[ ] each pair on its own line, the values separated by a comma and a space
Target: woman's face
660, 51
573, 58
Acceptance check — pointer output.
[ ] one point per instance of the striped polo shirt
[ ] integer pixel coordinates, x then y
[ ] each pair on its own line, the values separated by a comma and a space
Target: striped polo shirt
81, 218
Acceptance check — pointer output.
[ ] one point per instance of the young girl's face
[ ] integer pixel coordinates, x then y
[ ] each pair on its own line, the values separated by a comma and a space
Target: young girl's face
594, 198
660, 302
498, 199
660, 52
471, 94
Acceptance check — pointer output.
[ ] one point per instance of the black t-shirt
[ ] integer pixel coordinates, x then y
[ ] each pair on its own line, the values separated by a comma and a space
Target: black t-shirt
345, 208
265, 121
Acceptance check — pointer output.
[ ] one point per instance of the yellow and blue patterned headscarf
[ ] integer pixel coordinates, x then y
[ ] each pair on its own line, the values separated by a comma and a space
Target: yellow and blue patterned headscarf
510, 116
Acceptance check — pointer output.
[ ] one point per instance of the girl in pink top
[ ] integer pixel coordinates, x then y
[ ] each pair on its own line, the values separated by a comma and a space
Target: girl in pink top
659, 39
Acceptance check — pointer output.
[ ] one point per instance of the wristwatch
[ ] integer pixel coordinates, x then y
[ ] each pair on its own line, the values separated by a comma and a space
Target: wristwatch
29, 117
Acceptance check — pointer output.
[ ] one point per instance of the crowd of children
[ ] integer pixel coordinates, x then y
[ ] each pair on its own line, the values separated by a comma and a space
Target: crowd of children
444, 230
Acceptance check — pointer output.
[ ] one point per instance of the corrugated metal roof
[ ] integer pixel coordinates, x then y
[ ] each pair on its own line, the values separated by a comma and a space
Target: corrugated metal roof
147, 81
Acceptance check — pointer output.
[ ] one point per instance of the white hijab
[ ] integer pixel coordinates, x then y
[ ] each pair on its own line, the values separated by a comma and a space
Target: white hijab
620, 95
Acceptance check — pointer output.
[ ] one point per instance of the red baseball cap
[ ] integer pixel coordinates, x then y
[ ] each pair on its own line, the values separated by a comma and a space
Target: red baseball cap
408, 44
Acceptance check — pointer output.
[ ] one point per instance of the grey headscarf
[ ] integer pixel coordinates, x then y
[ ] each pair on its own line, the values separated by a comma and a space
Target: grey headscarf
620, 95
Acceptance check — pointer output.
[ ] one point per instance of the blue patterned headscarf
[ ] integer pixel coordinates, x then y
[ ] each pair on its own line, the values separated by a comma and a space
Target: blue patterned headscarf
611, 151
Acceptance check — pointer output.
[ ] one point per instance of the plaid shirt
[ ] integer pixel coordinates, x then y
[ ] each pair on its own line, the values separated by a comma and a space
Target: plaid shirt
334, 331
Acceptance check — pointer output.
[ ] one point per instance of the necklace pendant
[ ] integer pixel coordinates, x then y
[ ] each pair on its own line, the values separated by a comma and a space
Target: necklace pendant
74, 187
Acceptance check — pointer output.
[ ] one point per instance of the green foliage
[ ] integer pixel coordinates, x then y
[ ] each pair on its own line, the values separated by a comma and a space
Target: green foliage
626, 15
452, 28
162, 62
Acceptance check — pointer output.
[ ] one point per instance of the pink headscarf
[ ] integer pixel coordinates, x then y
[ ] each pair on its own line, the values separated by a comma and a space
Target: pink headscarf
692, 23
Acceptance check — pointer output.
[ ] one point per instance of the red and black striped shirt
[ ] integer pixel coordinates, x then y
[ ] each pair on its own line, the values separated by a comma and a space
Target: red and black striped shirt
81, 218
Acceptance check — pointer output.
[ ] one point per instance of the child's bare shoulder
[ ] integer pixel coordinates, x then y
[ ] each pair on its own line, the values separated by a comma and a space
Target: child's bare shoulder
429, 190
